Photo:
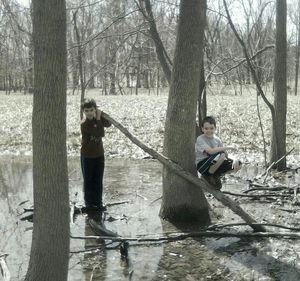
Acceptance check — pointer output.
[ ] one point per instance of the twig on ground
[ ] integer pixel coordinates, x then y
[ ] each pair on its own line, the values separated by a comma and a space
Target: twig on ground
257, 184
274, 164
289, 211
256, 195
276, 188
155, 200
117, 203
141, 196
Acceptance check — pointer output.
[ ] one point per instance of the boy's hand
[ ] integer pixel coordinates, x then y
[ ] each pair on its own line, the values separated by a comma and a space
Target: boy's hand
98, 114
236, 165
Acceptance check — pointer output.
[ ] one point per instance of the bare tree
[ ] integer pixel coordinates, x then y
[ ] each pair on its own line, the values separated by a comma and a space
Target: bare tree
50, 238
278, 110
278, 143
295, 18
181, 200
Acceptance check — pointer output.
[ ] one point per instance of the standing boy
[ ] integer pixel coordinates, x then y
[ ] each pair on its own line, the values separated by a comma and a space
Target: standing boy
211, 156
92, 154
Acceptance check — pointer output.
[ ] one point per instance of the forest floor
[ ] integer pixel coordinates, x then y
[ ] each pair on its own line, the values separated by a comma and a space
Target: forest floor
144, 116
128, 177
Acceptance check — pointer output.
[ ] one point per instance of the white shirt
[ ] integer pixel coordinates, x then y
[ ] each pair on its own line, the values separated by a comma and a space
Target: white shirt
202, 143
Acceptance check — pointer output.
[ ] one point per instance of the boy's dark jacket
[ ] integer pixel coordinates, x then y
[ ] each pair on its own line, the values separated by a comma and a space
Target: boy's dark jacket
92, 132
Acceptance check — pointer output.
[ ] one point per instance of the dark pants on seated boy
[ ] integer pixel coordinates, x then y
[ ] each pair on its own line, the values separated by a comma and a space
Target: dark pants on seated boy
204, 166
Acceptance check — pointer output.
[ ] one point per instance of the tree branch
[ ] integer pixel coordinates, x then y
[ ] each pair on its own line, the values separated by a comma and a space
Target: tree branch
247, 57
245, 60
161, 52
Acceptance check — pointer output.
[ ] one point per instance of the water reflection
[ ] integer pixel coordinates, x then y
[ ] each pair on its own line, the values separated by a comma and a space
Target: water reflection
138, 182
15, 187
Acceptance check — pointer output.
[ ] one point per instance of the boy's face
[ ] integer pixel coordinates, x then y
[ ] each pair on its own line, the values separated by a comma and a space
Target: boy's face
208, 129
90, 112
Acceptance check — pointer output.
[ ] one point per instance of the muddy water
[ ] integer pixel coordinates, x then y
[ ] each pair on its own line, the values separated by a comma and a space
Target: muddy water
139, 182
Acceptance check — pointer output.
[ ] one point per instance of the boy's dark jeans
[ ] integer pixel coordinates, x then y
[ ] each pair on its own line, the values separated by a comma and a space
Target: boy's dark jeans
204, 165
92, 171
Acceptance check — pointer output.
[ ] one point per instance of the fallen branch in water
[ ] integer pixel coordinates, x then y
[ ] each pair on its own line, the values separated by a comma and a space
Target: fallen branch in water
183, 236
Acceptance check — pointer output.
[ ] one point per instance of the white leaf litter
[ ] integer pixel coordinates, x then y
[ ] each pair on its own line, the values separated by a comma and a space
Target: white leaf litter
144, 117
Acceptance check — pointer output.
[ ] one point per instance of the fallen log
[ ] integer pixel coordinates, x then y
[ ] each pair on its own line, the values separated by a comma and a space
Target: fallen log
183, 236
199, 182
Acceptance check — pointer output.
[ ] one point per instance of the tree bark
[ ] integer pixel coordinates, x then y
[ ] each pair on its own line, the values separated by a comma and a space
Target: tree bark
278, 142
181, 202
297, 51
50, 238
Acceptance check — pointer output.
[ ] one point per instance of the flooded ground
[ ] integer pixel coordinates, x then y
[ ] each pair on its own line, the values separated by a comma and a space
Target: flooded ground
139, 183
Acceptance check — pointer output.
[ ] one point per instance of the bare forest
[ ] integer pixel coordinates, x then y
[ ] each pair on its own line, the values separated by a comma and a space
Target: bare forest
119, 46
156, 69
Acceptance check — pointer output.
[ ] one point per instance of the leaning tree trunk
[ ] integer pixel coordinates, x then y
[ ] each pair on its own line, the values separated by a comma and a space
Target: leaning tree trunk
181, 201
278, 147
50, 238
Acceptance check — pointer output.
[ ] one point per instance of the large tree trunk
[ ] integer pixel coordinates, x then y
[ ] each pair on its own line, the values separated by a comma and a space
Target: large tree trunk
278, 148
297, 51
181, 202
50, 238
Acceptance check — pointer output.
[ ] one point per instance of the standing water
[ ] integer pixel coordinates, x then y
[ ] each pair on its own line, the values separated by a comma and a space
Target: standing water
137, 185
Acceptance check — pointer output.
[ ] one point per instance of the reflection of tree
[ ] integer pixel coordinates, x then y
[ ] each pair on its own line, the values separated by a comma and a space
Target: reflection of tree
13, 176
15, 183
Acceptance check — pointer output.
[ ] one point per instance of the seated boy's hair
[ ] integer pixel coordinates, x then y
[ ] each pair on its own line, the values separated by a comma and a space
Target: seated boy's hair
88, 103
210, 120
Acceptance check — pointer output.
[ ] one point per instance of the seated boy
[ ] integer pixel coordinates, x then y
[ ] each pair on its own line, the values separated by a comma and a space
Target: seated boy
211, 156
